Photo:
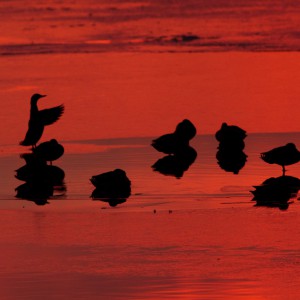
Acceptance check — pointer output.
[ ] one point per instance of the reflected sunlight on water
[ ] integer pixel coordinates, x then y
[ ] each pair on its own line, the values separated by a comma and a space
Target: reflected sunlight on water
242, 253
203, 179
126, 70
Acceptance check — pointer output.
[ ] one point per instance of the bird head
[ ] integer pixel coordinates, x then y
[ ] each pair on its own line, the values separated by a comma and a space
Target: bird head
36, 97
291, 145
185, 130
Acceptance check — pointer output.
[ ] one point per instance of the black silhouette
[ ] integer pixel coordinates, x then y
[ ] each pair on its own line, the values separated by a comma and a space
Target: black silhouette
37, 170
113, 187
39, 119
38, 192
172, 142
42, 181
276, 192
176, 144
230, 155
229, 133
283, 156
231, 160
176, 164
49, 151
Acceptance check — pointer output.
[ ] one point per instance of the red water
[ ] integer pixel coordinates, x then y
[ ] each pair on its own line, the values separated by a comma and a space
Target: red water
123, 70
138, 94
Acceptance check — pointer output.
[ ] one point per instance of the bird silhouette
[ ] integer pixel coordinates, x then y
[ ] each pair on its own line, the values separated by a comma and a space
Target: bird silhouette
171, 143
112, 181
39, 119
49, 151
230, 133
230, 155
283, 156
111, 185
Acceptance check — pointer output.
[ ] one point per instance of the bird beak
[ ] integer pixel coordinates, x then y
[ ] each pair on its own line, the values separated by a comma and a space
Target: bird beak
42, 96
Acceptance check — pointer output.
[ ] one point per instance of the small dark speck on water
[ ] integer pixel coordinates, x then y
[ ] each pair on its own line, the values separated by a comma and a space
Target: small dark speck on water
154, 211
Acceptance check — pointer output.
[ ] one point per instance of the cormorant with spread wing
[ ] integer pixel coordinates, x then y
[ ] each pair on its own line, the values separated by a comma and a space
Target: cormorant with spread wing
39, 119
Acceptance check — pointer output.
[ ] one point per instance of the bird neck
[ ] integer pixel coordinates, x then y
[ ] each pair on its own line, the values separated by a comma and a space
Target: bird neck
33, 107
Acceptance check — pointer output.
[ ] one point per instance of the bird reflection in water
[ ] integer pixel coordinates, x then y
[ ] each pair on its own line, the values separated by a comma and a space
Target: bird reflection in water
276, 192
112, 187
42, 181
180, 154
231, 160
176, 164
230, 154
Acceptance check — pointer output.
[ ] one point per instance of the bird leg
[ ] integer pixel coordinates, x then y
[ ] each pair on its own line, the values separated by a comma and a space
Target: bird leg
283, 170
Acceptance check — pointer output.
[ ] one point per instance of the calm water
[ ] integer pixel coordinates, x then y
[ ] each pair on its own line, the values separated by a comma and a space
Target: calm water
203, 179
214, 244
127, 69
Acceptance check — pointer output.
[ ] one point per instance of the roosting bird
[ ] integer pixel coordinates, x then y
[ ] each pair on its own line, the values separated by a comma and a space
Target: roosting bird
283, 156
39, 119
49, 151
171, 143
114, 186
230, 132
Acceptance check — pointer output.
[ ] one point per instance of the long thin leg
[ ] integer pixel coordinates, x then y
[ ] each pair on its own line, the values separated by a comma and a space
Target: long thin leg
283, 171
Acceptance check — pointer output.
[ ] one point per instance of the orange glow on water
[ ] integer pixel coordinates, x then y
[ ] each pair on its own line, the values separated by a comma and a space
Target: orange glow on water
121, 95
136, 69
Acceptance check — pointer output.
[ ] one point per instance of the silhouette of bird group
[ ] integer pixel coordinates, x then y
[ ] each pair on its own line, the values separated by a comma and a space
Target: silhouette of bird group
41, 179
114, 187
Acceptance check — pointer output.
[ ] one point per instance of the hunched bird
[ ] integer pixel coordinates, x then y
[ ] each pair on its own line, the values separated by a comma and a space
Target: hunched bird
49, 151
171, 143
283, 156
112, 184
39, 119
230, 132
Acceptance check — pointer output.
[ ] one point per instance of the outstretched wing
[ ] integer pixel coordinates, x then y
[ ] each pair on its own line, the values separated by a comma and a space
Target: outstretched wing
50, 115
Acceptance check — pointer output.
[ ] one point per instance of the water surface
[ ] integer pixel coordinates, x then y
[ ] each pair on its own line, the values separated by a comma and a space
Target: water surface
128, 72
195, 237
